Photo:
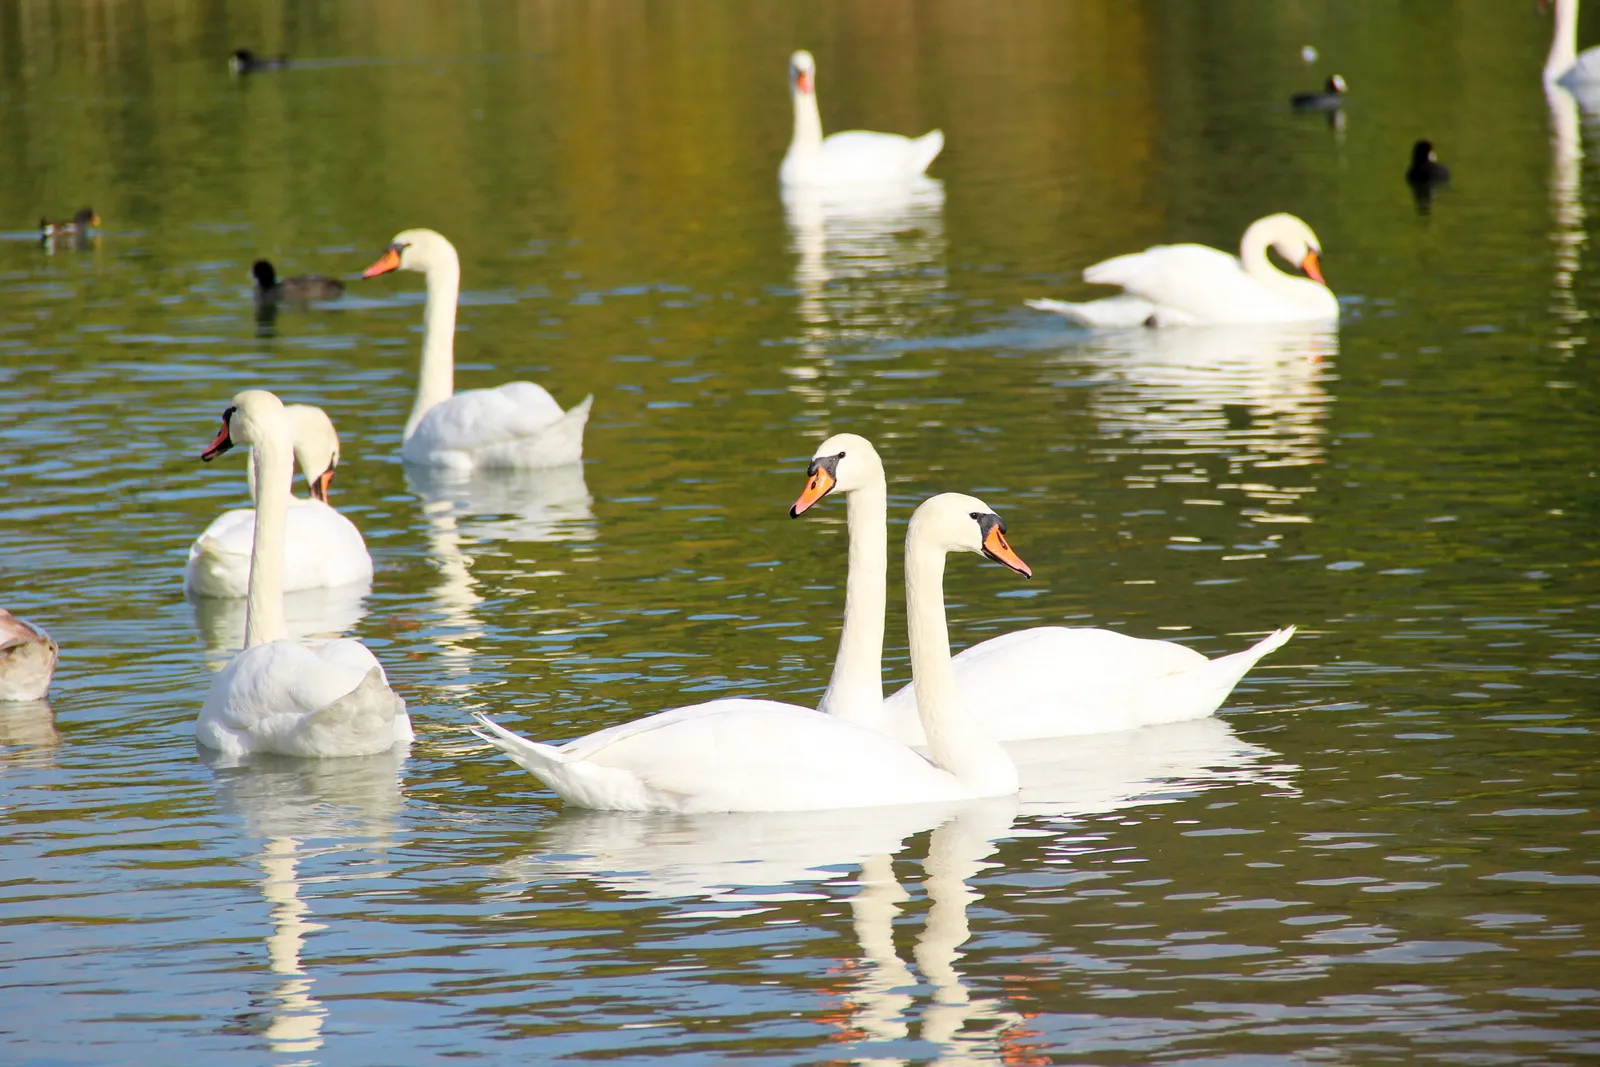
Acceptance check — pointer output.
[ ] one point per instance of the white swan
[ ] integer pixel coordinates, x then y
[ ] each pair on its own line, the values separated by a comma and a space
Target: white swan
849, 158
27, 659
1046, 681
1196, 285
279, 695
322, 548
762, 755
518, 425
1564, 65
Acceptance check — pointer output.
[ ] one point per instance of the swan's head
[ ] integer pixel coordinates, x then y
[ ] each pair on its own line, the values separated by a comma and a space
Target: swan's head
803, 72
316, 447
254, 416
264, 274
1292, 239
844, 462
1336, 84
955, 522
419, 250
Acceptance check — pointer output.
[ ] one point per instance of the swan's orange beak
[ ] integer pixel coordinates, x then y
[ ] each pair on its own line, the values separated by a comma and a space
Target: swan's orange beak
818, 485
222, 442
996, 548
802, 81
319, 487
1313, 267
390, 260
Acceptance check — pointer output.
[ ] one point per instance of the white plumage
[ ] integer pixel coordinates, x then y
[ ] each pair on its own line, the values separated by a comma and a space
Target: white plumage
1195, 285
854, 157
280, 695
1046, 681
518, 425
762, 755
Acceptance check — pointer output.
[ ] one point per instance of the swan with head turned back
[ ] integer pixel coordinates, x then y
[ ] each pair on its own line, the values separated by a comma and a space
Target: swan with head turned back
1565, 65
516, 426
322, 548
27, 659
854, 157
762, 755
279, 695
1196, 285
1046, 681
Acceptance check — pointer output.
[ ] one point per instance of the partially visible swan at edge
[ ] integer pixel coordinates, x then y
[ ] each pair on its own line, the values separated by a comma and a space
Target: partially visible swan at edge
1196, 285
1045, 681
762, 755
851, 157
279, 695
518, 425
322, 548
27, 659
1565, 65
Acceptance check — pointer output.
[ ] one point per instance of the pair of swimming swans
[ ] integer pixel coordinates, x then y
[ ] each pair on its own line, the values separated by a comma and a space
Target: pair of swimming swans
1196, 285
857, 750
322, 548
280, 695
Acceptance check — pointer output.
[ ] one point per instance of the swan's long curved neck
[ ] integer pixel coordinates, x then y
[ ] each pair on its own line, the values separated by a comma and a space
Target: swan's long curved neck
436, 381
1253, 258
807, 139
1564, 45
956, 741
855, 692
272, 462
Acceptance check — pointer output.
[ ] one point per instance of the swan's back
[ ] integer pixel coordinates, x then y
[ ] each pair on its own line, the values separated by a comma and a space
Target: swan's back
866, 156
742, 753
321, 549
1059, 681
292, 699
516, 425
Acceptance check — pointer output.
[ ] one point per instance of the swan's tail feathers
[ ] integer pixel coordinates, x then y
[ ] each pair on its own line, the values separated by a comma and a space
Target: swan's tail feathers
926, 149
368, 720
561, 442
1111, 312
545, 761
1201, 690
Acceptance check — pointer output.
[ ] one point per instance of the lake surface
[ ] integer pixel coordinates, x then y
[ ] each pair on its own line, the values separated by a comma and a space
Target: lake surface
1384, 850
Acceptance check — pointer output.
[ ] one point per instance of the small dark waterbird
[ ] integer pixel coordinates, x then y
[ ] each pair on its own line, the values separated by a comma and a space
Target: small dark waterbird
244, 61
1329, 99
270, 289
85, 220
1425, 167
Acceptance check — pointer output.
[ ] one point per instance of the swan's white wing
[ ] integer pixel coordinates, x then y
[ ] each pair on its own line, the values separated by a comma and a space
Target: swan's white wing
516, 425
732, 755
1057, 681
321, 549
1187, 283
1194, 285
866, 156
294, 700
27, 659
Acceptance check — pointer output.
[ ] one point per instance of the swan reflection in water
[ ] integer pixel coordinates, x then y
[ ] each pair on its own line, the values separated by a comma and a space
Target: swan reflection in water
1253, 396
868, 261
464, 510
307, 811
1566, 203
310, 614
26, 725
753, 862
